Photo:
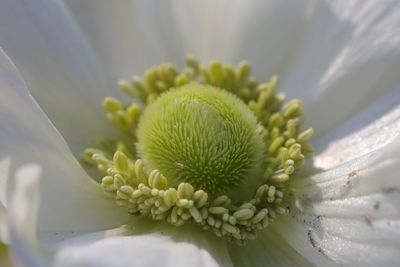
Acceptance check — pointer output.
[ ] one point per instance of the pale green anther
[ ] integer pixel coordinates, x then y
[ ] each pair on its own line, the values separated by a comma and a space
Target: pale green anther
243, 72
279, 178
290, 142
276, 120
185, 190
230, 228
217, 210
181, 80
295, 151
126, 87
119, 180
126, 189
157, 180
280, 210
195, 214
107, 180
202, 200
111, 104
139, 170
122, 195
243, 214
170, 197
305, 136
101, 159
246, 206
193, 63
259, 216
289, 169
134, 112
232, 220
271, 193
278, 194
275, 133
261, 191
184, 203
292, 109
275, 145
137, 194
154, 191
211, 221
145, 190
120, 161
216, 72
220, 201
283, 155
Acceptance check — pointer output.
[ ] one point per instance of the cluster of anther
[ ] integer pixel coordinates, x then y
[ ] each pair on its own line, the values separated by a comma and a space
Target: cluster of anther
148, 192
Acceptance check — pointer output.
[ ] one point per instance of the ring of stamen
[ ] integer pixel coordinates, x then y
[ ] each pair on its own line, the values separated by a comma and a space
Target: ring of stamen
147, 192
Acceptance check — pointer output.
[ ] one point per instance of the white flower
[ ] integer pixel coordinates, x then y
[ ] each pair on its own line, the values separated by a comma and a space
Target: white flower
342, 58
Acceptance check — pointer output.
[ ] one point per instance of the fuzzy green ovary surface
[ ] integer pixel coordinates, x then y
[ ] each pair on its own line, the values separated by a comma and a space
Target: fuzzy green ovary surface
201, 135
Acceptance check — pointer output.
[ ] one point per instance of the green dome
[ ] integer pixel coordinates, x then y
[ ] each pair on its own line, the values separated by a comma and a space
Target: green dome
201, 135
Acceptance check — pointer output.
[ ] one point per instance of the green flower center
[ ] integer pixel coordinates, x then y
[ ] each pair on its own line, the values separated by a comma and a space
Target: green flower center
208, 146
201, 135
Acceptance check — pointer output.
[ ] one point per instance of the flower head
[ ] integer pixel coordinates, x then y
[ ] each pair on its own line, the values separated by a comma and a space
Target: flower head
340, 58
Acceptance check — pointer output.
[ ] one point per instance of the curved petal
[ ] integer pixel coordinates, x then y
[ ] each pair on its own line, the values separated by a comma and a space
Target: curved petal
130, 36
269, 249
371, 129
59, 67
133, 35
265, 33
349, 55
22, 216
351, 213
296, 234
70, 200
163, 246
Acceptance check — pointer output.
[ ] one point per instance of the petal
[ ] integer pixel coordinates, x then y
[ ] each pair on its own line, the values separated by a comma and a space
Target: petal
59, 67
349, 56
263, 32
4, 166
351, 213
22, 216
163, 246
130, 36
371, 129
3, 229
70, 200
269, 249
290, 230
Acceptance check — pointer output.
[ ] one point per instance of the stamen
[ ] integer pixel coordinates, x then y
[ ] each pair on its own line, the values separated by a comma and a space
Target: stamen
145, 190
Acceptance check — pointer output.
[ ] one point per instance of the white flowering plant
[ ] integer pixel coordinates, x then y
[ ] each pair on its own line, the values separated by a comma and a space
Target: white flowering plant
208, 165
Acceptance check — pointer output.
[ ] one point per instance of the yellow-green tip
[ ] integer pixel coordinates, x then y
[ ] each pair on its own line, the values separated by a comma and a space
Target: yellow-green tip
201, 135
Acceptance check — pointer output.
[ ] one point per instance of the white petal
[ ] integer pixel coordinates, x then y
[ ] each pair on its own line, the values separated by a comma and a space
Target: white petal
3, 230
296, 235
165, 246
265, 33
4, 167
22, 215
349, 56
70, 200
352, 213
371, 129
59, 67
130, 36
269, 249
